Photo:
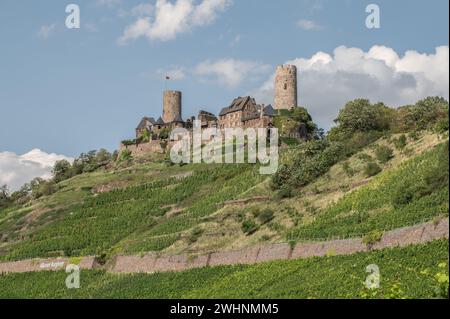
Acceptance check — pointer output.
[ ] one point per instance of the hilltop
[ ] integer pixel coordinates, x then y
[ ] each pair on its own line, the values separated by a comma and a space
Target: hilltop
379, 169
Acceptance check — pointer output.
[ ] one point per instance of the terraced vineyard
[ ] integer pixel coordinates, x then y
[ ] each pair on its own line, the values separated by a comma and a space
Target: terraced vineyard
412, 272
399, 197
102, 222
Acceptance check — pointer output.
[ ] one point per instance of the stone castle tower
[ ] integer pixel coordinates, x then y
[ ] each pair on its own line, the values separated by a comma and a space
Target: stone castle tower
286, 87
171, 106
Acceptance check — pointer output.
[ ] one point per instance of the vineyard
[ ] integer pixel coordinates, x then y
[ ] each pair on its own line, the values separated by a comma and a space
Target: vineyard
412, 272
400, 197
101, 222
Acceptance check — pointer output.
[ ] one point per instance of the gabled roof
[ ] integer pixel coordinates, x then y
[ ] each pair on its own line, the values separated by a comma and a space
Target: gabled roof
143, 122
238, 104
269, 111
160, 121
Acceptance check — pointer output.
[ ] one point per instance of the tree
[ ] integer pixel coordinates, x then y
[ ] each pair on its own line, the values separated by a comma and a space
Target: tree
426, 112
102, 157
359, 116
4, 196
61, 170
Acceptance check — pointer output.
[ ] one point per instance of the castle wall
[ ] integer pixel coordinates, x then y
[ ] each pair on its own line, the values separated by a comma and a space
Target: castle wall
286, 87
171, 106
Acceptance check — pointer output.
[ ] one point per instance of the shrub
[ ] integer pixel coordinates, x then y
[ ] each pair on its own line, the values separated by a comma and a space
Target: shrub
372, 169
285, 192
266, 216
384, 154
125, 156
365, 157
442, 125
195, 235
347, 169
400, 142
249, 227
372, 238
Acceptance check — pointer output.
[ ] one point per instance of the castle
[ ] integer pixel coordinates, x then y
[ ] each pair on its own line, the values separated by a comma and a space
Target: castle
243, 112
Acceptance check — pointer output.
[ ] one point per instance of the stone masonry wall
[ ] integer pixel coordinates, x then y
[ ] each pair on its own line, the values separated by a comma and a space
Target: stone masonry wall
151, 262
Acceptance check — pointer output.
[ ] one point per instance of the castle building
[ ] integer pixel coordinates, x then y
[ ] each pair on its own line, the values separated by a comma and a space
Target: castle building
286, 87
171, 106
244, 112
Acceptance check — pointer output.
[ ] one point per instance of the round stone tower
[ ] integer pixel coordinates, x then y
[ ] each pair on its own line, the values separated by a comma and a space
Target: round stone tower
171, 106
286, 87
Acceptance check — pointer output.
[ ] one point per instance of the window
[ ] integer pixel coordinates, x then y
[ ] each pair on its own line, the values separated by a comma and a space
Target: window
285, 86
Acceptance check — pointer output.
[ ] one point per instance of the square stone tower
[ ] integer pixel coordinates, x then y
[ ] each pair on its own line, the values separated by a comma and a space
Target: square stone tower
286, 87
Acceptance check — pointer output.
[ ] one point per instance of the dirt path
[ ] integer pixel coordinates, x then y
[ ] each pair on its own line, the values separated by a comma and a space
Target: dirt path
152, 262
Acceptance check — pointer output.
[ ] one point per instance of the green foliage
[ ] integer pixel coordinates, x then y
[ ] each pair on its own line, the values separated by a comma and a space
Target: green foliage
360, 116
410, 272
442, 281
382, 204
290, 141
125, 156
285, 191
426, 113
249, 227
61, 170
347, 169
384, 154
287, 121
400, 142
135, 214
195, 235
265, 216
164, 134
372, 238
372, 169
312, 160
5, 199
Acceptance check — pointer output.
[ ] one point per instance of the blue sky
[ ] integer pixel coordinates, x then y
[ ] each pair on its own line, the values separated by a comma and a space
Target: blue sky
68, 91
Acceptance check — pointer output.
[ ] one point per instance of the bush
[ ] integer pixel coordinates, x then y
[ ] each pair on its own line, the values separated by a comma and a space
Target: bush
249, 227
441, 125
285, 192
372, 238
384, 154
372, 169
400, 142
266, 216
125, 155
347, 169
195, 235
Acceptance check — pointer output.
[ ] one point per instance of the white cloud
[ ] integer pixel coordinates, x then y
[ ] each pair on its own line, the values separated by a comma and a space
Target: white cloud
46, 31
168, 19
16, 170
307, 25
231, 72
326, 82
143, 9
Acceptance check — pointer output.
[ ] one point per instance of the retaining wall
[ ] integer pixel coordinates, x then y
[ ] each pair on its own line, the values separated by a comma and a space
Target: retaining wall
151, 262
31, 265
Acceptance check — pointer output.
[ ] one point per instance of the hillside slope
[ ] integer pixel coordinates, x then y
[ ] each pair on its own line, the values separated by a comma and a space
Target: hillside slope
197, 208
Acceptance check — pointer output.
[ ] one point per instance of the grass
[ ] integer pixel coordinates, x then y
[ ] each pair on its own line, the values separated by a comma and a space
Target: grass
375, 207
409, 272
103, 222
